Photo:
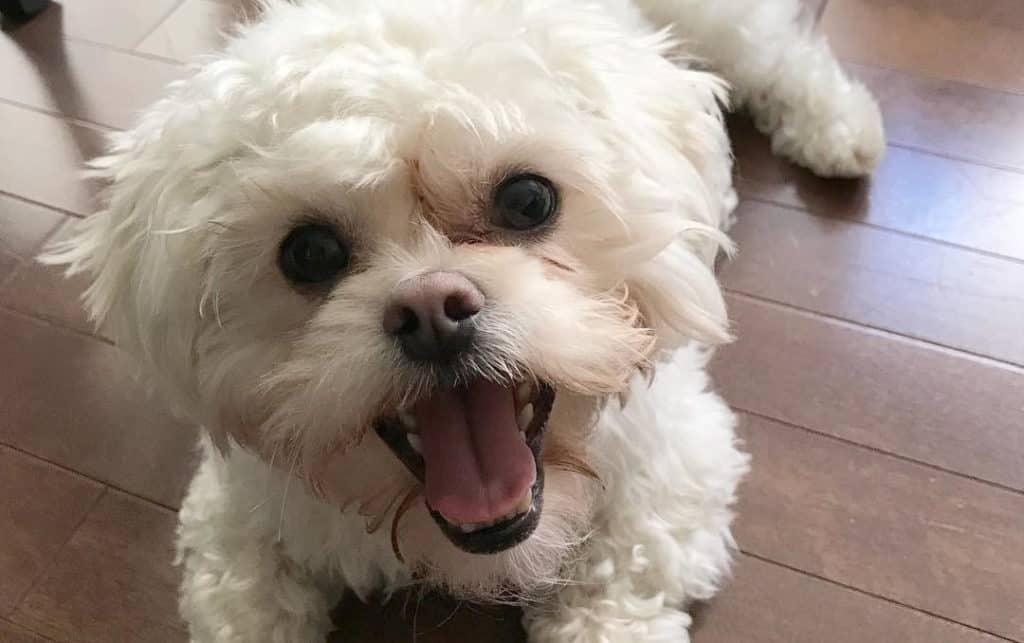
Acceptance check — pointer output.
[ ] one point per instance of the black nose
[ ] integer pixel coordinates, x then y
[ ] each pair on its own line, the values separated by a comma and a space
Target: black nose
432, 315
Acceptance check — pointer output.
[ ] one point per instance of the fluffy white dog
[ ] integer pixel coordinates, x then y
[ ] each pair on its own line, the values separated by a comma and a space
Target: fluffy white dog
435, 278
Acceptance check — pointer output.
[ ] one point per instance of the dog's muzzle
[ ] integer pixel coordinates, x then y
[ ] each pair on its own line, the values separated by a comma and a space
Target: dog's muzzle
477, 451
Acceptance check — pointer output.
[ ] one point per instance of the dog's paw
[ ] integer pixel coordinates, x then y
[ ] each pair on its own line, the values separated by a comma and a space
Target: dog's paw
834, 135
633, 619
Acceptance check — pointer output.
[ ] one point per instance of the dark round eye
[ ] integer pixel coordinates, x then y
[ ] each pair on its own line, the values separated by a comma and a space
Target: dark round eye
524, 202
312, 254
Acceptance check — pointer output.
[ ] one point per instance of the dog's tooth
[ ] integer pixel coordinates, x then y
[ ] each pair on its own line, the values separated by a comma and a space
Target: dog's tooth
525, 504
407, 419
525, 417
523, 392
415, 442
470, 527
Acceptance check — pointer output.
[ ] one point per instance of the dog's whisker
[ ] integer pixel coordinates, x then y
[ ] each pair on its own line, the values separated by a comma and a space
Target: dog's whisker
284, 501
415, 616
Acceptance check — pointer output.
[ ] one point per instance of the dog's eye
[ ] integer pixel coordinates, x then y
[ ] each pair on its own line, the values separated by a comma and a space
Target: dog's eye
524, 202
312, 254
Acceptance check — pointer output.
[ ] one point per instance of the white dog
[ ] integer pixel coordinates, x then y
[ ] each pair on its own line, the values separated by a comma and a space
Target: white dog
435, 277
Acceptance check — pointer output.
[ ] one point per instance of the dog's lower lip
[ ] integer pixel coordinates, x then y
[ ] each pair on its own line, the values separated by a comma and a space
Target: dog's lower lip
525, 504
398, 433
499, 536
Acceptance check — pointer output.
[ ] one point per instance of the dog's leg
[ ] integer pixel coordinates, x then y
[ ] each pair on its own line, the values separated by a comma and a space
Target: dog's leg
237, 585
787, 77
623, 593
670, 467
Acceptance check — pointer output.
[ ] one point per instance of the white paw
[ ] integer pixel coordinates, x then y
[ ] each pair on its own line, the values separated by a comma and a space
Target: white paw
834, 135
628, 621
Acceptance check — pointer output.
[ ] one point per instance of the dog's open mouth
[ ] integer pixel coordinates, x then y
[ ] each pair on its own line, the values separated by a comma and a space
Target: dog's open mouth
477, 451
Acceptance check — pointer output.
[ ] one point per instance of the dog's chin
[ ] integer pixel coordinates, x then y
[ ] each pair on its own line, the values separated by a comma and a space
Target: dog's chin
476, 449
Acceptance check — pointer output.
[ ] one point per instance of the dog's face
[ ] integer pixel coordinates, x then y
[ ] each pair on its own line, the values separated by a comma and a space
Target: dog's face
414, 255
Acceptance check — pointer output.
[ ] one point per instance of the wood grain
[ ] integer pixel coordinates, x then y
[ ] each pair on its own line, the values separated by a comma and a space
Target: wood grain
914, 192
40, 507
72, 400
114, 580
883, 279
767, 603
11, 633
975, 42
951, 410
900, 530
949, 118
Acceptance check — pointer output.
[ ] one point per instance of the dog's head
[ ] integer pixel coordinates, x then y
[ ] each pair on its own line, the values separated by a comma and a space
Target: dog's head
429, 243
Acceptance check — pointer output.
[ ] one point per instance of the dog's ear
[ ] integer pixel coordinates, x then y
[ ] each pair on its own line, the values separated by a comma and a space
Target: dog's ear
686, 166
679, 297
143, 284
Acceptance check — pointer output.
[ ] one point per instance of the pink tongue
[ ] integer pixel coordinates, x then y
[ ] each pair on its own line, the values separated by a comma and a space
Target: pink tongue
478, 467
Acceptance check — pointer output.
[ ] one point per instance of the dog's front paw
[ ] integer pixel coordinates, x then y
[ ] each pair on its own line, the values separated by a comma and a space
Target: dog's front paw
834, 135
628, 620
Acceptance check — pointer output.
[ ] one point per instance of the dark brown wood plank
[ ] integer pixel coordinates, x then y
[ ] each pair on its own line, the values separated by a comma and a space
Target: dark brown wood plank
915, 192
114, 581
951, 296
72, 399
948, 409
949, 118
11, 633
771, 604
896, 529
976, 42
40, 507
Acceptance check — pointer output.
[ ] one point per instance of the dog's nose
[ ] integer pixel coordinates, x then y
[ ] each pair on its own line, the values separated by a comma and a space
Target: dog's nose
432, 315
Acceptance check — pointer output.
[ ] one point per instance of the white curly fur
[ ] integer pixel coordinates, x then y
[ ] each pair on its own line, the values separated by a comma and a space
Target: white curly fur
391, 121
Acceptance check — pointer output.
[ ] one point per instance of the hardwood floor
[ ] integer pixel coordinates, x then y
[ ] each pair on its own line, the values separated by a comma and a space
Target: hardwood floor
878, 374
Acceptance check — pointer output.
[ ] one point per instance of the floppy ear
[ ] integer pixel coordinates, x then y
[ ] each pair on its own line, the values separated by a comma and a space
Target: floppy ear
680, 299
689, 163
131, 252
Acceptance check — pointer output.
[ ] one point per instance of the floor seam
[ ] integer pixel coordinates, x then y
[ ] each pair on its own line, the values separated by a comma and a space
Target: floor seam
85, 476
819, 214
864, 592
871, 329
130, 52
56, 554
929, 76
159, 23
991, 165
879, 450
51, 321
61, 116
41, 204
